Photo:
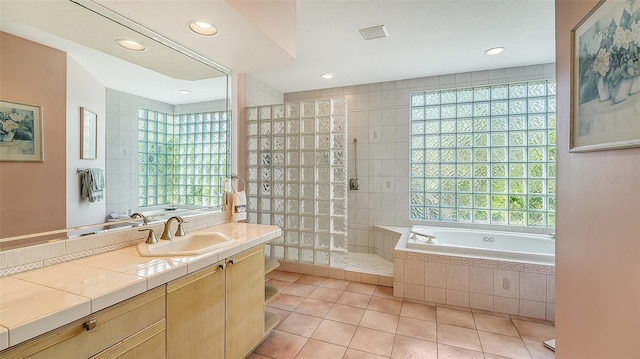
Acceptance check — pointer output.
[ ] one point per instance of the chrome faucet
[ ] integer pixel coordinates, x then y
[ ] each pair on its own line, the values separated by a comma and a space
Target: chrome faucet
166, 233
140, 215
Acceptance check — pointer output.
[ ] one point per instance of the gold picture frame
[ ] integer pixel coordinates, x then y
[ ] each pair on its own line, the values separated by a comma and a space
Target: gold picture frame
20, 132
605, 78
88, 134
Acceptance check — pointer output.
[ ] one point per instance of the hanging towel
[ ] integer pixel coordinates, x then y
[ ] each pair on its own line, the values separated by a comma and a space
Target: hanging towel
238, 202
93, 184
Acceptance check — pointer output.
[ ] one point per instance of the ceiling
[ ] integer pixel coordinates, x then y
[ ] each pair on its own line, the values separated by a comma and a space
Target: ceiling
426, 37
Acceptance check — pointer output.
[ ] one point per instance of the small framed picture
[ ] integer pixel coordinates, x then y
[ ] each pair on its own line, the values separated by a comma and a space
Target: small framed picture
88, 134
20, 132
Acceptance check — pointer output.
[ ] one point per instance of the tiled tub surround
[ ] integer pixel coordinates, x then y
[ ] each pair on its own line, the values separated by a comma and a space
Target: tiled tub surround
39, 300
522, 289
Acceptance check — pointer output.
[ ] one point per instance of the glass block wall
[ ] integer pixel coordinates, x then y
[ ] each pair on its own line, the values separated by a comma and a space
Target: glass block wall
484, 154
297, 178
182, 159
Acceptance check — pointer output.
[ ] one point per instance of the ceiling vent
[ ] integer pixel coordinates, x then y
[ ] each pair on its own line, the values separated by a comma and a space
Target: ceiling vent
374, 32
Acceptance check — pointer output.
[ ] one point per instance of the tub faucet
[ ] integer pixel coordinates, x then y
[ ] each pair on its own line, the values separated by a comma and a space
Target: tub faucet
140, 215
166, 233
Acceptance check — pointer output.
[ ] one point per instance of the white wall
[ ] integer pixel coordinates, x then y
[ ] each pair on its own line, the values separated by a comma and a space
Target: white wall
83, 90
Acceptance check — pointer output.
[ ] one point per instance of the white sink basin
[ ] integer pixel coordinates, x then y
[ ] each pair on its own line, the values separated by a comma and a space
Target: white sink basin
189, 245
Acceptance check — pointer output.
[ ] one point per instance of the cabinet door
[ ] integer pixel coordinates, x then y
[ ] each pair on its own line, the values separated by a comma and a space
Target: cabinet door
146, 344
195, 315
245, 302
111, 326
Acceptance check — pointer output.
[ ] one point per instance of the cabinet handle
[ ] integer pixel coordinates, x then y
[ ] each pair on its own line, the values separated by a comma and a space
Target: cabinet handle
222, 266
232, 261
90, 324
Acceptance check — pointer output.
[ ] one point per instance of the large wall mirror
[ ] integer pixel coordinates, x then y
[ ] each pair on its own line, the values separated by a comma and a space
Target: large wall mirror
163, 129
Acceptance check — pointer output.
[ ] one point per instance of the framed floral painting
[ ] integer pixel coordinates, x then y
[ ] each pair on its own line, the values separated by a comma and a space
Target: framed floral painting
20, 132
605, 83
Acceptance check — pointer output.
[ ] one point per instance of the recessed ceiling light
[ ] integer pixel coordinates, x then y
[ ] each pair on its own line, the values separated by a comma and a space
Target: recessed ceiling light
131, 45
203, 28
494, 51
186, 92
327, 75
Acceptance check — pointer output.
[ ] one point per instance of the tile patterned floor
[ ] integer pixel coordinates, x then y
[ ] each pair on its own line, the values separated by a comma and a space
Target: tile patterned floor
369, 263
328, 318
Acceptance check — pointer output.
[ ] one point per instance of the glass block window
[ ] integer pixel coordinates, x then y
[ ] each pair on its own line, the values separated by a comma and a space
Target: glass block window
484, 154
182, 159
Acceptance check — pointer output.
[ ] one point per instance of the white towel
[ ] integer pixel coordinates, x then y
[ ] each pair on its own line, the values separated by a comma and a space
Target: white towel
238, 203
93, 184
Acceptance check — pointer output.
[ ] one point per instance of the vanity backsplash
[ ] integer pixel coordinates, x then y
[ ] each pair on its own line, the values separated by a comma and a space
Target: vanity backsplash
37, 256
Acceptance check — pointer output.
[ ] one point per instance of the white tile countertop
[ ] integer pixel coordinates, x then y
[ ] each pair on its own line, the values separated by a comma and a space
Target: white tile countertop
37, 301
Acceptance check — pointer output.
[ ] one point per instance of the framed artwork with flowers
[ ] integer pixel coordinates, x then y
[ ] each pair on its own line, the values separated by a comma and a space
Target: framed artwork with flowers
605, 78
20, 132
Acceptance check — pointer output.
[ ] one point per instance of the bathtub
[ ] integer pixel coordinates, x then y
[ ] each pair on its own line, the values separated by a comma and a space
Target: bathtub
504, 272
506, 246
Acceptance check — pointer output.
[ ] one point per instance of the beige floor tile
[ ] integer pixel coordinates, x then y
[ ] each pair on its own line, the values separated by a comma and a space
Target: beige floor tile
281, 345
282, 314
418, 311
504, 345
345, 314
257, 356
492, 356
361, 288
535, 331
287, 276
334, 332
455, 317
310, 280
335, 283
357, 354
300, 324
300, 290
487, 312
314, 307
315, 349
385, 292
326, 294
458, 337
285, 302
381, 321
280, 285
449, 352
385, 305
538, 350
416, 328
372, 341
354, 299
499, 325
405, 347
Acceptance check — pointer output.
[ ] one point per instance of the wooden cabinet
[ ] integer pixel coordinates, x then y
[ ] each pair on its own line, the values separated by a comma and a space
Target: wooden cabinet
217, 312
196, 314
245, 302
119, 330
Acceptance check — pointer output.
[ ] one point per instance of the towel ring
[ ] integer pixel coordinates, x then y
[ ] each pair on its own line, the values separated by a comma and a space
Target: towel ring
241, 180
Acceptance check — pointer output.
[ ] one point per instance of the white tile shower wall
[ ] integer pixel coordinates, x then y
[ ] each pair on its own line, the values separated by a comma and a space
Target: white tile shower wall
379, 120
260, 94
121, 179
504, 287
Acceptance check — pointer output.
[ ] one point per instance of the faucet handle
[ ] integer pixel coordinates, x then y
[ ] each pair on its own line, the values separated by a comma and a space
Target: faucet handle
151, 238
180, 231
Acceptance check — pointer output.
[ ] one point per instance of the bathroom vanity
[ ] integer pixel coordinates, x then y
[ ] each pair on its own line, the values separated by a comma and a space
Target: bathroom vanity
209, 305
